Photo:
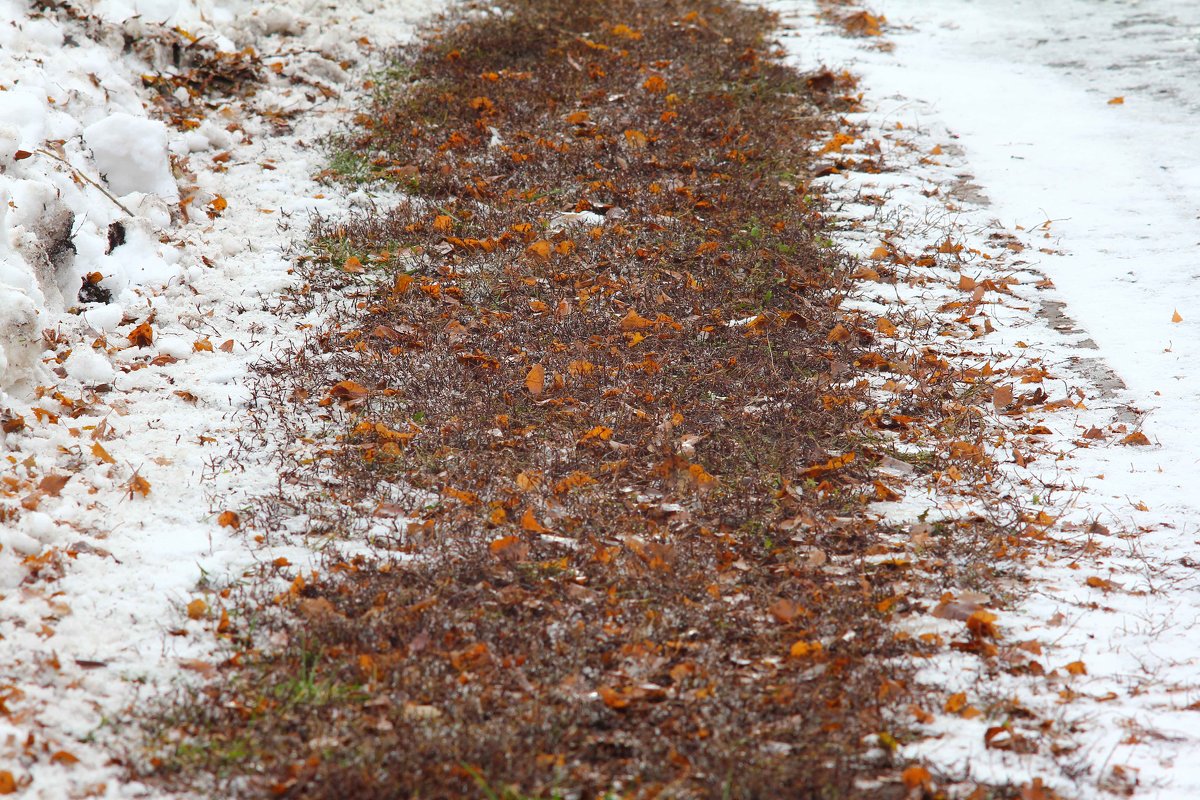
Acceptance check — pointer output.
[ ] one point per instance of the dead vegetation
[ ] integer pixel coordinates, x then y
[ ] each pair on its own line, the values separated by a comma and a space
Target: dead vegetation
590, 398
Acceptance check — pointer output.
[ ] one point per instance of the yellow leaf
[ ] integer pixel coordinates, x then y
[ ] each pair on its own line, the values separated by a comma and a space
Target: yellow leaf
956, 702
535, 381
99, 452
139, 485
626, 32
197, 609
202, 346
1077, 668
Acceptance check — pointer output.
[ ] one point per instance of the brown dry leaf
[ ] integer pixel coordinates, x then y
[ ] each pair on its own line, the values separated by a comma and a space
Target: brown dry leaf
353, 265
612, 698
99, 452
202, 346
197, 609
443, 223
8, 784
348, 390
956, 703
784, 610
1136, 439
980, 623
63, 757
142, 335
885, 326
535, 381
529, 523
578, 117
229, 519
1002, 397
839, 334
633, 321
53, 484
1077, 668
226, 346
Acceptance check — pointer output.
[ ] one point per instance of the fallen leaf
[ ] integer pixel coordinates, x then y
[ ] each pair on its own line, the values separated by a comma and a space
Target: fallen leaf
540, 249
8, 784
63, 757
348, 390
142, 335
53, 484
1175, 317
535, 381
529, 522
838, 335
1077, 668
1002, 397
634, 321
1136, 439
916, 776
885, 326
1117, 101
197, 609
229, 519
139, 485
99, 452
353, 265
956, 702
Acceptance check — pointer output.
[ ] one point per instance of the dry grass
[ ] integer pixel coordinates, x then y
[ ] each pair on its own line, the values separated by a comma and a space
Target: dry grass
628, 560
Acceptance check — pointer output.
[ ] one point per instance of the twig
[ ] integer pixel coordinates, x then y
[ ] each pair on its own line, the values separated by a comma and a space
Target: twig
85, 178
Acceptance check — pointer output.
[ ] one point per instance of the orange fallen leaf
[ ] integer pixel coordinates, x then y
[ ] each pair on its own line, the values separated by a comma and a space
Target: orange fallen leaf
612, 698
229, 519
99, 452
443, 223
655, 83
139, 485
529, 522
1117, 101
197, 609
8, 784
634, 321
803, 649
956, 702
353, 265
838, 335
1176, 317
1002, 397
535, 381
1077, 668
1136, 439
142, 335
202, 346
498, 546
63, 757
540, 249
916, 776
348, 390
886, 326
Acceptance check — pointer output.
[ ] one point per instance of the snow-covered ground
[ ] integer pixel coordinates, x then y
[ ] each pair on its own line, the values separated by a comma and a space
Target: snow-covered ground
1068, 130
106, 485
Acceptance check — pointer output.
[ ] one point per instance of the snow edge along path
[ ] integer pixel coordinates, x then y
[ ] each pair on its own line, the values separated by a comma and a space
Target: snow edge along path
94, 574
1015, 101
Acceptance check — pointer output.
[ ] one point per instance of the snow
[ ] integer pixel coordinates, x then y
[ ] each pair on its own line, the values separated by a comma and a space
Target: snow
1104, 199
131, 153
85, 625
